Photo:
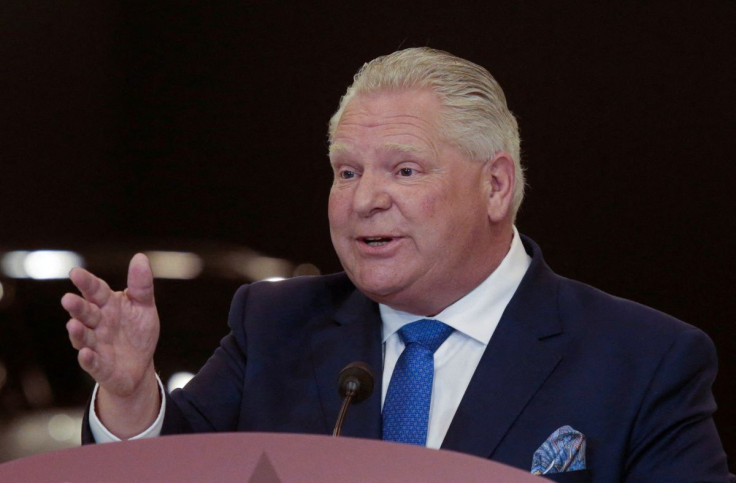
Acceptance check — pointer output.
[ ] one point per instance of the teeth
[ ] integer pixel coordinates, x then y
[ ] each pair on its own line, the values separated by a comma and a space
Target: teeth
377, 241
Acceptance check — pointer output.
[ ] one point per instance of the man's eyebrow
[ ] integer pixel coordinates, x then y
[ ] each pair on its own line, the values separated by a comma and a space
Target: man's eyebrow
337, 148
403, 148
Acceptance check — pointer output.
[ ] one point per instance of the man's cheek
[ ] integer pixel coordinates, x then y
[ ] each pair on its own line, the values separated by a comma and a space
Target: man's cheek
428, 207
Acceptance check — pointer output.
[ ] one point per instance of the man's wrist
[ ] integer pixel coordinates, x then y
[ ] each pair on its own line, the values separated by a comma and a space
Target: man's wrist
102, 434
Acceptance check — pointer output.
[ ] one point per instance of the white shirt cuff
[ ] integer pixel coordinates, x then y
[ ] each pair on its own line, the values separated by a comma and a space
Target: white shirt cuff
101, 433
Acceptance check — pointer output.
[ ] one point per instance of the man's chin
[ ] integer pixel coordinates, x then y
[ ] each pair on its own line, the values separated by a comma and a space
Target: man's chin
381, 291
396, 297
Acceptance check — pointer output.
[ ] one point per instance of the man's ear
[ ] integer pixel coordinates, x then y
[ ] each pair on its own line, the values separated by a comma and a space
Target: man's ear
499, 178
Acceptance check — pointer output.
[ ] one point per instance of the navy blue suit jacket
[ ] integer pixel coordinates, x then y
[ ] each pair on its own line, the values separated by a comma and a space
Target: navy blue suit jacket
635, 381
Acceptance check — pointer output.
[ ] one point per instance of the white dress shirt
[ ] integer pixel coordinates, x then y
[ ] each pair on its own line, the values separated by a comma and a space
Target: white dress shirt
103, 435
474, 318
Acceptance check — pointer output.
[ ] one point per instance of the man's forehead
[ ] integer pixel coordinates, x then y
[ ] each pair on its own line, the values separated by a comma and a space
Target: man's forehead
339, 148
394, 106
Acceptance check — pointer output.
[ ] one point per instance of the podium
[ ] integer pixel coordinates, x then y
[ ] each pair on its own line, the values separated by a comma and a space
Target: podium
257, 457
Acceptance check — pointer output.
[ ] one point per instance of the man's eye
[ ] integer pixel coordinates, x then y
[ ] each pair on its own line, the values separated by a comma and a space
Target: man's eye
347, 174
406, 172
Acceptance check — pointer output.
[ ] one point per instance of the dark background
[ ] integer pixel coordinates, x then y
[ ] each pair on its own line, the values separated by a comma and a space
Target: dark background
161, 124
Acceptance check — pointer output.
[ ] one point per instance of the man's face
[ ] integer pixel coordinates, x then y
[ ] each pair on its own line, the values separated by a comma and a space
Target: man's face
408, 212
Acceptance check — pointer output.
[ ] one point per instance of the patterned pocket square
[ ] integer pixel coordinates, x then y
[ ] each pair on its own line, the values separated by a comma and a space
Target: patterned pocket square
563, 451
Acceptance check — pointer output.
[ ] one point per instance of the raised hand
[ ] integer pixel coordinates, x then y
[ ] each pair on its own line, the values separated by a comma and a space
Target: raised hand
116, 335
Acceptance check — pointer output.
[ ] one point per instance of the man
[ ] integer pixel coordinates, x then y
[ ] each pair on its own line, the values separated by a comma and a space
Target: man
427, 182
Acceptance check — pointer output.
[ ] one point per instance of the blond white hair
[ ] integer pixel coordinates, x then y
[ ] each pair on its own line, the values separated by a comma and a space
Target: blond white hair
475, 118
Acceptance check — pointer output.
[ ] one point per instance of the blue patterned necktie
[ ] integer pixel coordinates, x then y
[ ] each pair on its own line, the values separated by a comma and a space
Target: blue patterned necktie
406, 408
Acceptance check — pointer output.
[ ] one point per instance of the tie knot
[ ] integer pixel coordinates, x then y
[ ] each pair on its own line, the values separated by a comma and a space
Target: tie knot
427, 332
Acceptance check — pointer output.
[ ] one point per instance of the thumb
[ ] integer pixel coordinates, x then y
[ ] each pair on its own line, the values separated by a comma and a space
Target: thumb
140, 279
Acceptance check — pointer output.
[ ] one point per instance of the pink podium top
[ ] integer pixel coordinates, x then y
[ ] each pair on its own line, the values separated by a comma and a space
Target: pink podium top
257, 457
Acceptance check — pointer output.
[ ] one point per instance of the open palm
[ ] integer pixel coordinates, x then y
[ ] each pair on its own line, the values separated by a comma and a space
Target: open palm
115, 332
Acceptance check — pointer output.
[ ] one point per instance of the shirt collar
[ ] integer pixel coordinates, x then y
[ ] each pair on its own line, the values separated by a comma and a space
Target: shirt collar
477, 313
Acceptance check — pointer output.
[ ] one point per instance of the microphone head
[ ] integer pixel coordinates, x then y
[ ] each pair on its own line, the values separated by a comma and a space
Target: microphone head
356, 378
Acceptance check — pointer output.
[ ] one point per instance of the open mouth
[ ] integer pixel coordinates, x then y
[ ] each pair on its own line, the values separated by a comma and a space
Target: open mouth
376, 241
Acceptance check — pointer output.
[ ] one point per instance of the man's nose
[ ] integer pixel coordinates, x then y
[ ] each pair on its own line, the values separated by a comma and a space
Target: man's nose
371, 194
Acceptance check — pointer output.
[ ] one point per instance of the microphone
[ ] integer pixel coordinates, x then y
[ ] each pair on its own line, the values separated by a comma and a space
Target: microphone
354, 384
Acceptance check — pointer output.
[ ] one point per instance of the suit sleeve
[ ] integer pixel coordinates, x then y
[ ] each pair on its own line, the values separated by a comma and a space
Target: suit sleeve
674, 437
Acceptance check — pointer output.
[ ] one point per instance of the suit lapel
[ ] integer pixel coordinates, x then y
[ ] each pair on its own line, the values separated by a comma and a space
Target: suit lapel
352, 334
519, 358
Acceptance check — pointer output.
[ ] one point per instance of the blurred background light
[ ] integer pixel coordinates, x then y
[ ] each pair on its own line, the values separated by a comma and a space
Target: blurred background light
62, 427
40, 264
51, 264
3, 375
273, 279
306, 269
41, 431
7, 293
12, 264
178, 380
36, 387
259, 267
176, 265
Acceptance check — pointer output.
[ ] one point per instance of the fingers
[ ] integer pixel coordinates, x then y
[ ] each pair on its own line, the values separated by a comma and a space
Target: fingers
93, 289
88, 361
80, 335
78, 308
83, 339
140, 280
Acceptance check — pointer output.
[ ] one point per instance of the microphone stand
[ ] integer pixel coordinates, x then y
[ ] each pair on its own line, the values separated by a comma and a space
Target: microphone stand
355, 384
343, 411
